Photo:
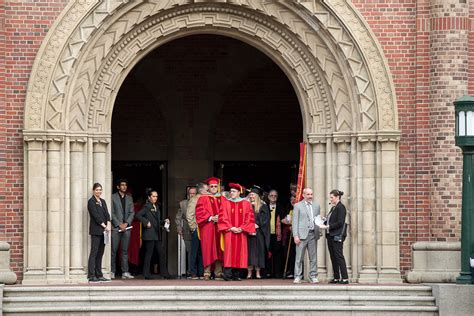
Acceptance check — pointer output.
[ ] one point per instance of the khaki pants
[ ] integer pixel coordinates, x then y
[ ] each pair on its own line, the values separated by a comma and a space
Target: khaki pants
217, 269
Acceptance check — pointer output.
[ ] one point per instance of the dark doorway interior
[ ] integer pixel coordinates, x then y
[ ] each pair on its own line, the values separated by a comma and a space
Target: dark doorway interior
198, 100
142, 175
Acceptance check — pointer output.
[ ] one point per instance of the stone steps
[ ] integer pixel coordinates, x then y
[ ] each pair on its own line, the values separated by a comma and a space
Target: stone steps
205, 300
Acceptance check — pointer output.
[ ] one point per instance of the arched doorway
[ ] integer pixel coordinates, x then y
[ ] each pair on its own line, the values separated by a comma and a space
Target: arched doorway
189, 106
348, 110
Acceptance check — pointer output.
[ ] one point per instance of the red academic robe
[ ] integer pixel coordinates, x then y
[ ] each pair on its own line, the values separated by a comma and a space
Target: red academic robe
207, 206
236, 214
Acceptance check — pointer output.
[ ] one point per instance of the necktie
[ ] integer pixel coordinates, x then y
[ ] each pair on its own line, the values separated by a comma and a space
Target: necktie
311, 222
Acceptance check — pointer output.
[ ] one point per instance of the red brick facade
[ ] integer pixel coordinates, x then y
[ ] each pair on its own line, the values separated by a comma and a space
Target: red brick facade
429, 48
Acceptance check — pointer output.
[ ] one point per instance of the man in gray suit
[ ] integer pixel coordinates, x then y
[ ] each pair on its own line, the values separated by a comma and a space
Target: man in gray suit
122, 217
306, 235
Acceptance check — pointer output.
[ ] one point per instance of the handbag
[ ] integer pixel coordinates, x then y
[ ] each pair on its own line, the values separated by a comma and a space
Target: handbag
342, 236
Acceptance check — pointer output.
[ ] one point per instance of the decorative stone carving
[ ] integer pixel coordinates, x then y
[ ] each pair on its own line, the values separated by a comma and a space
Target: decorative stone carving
306, 32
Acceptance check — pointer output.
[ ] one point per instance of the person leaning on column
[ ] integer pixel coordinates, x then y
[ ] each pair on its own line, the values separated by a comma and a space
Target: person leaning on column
99, 227
122, 217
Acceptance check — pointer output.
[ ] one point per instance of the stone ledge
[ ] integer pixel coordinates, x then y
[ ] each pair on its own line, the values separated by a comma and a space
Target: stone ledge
435, 262
6, 275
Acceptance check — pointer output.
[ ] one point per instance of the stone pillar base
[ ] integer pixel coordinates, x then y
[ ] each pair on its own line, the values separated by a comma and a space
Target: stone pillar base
6, 275
389, 276
435, 262
367, 276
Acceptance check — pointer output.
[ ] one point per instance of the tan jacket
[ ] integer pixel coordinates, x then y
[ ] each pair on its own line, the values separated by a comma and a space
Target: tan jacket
191, 213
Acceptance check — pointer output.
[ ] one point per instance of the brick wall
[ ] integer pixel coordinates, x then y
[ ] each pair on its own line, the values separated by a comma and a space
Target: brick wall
25, 24
429, 73
394, 24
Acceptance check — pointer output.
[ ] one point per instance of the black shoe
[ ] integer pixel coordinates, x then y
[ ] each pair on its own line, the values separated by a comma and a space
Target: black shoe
168, 277
94, 280
102, 279
149, 277
226, 277
334, 281
236, 279
343, 282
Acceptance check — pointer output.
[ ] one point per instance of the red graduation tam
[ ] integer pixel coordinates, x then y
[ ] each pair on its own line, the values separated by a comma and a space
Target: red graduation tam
236, 186
213, 180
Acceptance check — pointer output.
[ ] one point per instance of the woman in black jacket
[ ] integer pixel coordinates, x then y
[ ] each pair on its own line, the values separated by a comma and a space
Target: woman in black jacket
335, 235
98, 226
150, 218
259, 243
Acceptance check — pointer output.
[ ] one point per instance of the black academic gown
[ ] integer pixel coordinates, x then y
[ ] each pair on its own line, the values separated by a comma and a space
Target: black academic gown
258, 245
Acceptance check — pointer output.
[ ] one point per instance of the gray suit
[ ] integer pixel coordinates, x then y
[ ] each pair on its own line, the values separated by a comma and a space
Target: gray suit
119, 217
308, 233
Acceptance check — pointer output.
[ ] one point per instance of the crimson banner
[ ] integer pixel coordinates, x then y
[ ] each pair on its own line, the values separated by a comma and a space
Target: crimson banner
301, 173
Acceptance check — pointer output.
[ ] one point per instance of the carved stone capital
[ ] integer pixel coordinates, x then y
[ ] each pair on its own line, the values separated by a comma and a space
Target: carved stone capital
315, 138
388, 136
342, 137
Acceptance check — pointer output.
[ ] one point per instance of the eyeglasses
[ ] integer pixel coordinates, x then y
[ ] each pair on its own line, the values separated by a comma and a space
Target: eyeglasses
213, 186
273, 195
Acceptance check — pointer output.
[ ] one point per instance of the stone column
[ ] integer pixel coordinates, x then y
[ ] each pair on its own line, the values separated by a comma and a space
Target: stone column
55, 211
78, 208
343, 183
35, 207
387, 211
319, 179
101, 174
367, 232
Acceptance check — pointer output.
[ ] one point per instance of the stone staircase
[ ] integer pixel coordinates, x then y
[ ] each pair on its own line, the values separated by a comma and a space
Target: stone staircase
303, 299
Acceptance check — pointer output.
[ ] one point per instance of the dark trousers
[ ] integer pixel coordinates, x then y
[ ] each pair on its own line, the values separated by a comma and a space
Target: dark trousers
195, 264
150, 246
274, 264
124, 240
95, 257
337, 258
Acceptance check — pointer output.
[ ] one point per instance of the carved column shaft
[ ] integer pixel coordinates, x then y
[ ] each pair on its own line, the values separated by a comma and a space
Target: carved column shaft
368, 273
78, 212
387, 212
55, 211
318, 184
343, 180
35, 239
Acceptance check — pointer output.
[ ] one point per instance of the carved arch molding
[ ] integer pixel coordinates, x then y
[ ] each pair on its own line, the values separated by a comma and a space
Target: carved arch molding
325, 48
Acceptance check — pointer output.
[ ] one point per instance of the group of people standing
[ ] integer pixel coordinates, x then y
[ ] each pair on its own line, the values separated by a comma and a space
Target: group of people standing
237, 232
223, 233
117, 227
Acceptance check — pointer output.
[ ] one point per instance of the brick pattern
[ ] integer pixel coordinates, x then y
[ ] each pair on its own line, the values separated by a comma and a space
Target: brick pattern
448, 81
471, 48
395, 26
25, 24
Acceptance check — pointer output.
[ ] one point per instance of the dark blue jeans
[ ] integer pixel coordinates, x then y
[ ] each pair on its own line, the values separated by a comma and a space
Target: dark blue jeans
195, 266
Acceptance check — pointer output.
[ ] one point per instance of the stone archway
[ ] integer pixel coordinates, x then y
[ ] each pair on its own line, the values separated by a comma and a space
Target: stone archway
324, 47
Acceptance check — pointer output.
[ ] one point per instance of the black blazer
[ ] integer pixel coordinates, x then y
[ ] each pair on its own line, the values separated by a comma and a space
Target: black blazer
99, 214
145, 216
337, 219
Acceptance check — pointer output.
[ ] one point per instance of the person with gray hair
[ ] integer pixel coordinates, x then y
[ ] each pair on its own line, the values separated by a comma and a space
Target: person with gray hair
195, 264
306, 235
